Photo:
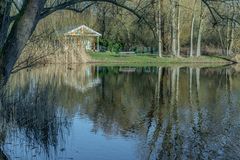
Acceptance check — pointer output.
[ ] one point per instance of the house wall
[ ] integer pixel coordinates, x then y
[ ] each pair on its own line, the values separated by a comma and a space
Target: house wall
75, 42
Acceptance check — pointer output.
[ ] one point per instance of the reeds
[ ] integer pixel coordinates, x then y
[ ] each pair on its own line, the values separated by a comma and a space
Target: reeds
60, 50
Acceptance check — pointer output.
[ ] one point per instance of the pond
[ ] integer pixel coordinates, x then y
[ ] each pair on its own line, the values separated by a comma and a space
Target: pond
121, 113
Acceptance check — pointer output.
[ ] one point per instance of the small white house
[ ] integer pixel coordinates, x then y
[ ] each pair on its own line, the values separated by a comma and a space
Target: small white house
88, 37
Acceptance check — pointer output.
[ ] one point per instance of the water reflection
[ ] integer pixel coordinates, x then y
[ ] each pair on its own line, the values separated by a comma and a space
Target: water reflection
90, 112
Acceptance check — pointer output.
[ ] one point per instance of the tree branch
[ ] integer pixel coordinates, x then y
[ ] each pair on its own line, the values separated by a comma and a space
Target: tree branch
66, 5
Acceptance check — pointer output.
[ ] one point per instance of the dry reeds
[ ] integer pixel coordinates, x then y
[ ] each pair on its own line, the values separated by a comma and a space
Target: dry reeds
53, 51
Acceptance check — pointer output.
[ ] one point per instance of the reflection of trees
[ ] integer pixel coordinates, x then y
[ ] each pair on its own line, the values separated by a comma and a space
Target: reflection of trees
31, 106
33, 101
34, 111
191, 132
116, 106
174, 112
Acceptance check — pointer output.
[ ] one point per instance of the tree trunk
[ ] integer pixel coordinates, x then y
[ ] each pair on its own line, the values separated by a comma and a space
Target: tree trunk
159, 28
173, 5
199, 41
231, 39
231, 32
21, 31
192, 29
221, 40
200, 32
178, 30
5, 7
227, 37
164, 46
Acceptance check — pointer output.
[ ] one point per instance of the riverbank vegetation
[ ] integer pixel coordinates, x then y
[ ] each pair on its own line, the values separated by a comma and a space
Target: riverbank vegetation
177, 28
111, 57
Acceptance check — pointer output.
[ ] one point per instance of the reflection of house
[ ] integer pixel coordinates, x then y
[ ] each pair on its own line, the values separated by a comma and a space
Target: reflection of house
88, 36
82, 80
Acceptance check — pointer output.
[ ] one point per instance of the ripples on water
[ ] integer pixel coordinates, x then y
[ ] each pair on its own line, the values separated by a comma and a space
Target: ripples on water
92, 112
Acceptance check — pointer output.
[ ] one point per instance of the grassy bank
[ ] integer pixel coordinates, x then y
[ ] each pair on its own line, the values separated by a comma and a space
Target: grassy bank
108, 57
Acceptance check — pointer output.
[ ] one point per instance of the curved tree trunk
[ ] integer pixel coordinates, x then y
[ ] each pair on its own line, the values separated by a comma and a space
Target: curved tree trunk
21, 31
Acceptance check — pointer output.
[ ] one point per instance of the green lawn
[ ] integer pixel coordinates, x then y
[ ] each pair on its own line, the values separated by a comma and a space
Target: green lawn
108, 57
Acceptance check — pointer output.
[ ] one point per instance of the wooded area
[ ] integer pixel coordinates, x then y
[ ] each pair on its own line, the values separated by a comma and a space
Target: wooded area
159, 79
172, 27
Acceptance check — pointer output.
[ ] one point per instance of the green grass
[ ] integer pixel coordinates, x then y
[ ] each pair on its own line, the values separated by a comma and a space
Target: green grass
146, 59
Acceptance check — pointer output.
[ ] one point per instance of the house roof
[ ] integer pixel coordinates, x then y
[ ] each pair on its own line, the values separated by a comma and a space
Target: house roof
83, 31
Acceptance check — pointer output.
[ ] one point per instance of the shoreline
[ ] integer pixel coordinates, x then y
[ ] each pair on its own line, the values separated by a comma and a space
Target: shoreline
141, 60
112, 58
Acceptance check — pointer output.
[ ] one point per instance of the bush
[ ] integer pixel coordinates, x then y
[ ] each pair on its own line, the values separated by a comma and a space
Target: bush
111, 45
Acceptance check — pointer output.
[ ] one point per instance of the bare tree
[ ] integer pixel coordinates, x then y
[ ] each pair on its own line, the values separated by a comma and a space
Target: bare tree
200, 29
174, 36
192, 28
159, 27
230, 30
178, 29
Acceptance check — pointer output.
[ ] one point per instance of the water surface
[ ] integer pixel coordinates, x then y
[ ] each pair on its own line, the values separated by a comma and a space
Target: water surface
125, 113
